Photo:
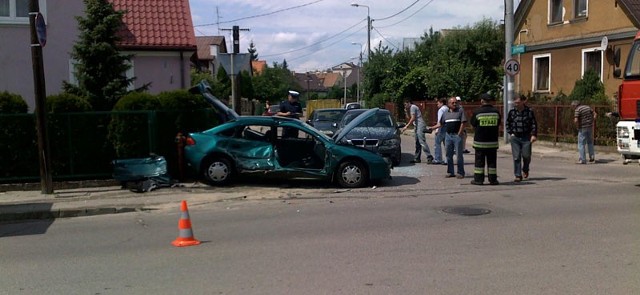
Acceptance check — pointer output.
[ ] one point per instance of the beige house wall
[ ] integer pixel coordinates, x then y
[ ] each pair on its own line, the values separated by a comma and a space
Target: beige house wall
565, 41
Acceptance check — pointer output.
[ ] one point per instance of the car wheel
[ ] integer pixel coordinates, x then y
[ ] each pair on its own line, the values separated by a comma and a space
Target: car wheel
218, 171
352, 174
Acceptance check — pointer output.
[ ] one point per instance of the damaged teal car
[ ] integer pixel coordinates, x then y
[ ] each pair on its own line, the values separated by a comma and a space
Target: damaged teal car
256, 146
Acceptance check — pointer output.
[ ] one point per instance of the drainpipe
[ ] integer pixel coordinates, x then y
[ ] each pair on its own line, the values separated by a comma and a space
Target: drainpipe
182, 84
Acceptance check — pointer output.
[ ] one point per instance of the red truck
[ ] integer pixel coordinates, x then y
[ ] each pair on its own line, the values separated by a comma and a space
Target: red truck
628, 128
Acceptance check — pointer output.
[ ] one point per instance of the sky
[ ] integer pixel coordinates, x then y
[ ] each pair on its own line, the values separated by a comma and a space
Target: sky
319, 34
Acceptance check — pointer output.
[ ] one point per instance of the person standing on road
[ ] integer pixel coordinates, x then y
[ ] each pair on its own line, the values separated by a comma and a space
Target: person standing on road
486, 121
523, 129
439, 141
415, 117
290, 108
583, 118
452, 123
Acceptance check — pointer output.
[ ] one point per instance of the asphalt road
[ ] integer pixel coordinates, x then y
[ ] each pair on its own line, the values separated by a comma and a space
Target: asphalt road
570, 229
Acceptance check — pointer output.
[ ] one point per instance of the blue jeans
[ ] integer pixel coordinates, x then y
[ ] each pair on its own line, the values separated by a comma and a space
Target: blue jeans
438, 146
454, 142
521, 151
585, 136
421, 143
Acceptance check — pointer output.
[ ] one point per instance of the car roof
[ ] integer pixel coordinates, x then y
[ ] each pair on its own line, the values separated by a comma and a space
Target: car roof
351, 111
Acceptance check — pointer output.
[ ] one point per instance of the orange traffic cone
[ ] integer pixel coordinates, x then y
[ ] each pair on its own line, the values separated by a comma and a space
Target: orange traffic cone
185, 235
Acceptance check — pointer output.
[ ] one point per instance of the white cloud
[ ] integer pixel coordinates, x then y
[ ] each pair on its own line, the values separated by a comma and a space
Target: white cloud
320, 34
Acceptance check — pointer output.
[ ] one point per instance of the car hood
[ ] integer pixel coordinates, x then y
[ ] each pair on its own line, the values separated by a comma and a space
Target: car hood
371, 133
353, 124
225, 114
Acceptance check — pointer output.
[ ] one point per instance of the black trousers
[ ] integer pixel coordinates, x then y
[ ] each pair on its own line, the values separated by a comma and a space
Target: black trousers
489, 156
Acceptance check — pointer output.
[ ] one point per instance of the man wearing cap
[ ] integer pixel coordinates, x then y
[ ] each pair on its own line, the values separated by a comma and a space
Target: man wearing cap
486, 121
290, 108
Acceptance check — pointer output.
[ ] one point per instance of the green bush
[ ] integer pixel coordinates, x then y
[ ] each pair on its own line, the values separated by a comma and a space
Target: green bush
12, 104
67, 103
589, 89
129, 127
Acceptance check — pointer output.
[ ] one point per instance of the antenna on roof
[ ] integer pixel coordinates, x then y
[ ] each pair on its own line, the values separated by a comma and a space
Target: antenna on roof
218, 20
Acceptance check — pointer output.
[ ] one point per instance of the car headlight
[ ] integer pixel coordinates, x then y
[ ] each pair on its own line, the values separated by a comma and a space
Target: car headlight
390, 142
623, 132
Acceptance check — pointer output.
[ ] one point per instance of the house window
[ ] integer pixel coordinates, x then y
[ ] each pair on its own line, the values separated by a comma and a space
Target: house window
592, 59
555, 11
17, 11
580, 8
541, 72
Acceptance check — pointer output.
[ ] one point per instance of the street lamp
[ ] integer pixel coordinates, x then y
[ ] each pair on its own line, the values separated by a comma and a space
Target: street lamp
358, 76
368, 29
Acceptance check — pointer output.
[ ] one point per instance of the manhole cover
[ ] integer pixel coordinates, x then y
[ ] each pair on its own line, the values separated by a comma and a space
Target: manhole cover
466, 211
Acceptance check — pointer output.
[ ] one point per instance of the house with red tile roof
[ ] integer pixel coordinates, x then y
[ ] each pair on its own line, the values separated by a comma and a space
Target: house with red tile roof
158, 33
258, 66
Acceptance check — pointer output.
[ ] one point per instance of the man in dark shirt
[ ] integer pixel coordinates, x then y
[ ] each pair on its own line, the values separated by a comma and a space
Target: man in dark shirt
290, 108
486, 121
523, 129
452, 123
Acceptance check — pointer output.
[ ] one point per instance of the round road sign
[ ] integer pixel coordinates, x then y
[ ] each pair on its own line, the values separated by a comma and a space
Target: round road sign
512, 67
41, 29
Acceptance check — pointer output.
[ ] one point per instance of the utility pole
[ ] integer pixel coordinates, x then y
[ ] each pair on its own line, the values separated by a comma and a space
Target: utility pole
508, 79
235, 98
38, 39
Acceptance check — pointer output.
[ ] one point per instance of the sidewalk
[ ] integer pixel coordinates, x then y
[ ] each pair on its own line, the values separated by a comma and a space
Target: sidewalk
107, 197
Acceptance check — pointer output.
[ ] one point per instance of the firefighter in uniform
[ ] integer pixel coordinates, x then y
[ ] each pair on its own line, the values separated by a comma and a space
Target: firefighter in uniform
486, 121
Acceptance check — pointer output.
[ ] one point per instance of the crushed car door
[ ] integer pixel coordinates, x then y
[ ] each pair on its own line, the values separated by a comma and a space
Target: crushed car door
253, 149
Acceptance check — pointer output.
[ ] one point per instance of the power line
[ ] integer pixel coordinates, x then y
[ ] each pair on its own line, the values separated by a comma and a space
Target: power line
408, 17
385, 39
319, 42
260, 15
401, 11
327, 46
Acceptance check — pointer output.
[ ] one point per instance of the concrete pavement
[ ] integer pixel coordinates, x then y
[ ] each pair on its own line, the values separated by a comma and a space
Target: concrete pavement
71, 199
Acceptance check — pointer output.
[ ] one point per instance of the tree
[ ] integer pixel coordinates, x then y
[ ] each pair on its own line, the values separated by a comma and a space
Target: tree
100, 68
274, 83
465, 62
253, 51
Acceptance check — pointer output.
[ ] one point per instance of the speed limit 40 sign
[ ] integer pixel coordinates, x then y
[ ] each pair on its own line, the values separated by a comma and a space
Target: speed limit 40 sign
512, 67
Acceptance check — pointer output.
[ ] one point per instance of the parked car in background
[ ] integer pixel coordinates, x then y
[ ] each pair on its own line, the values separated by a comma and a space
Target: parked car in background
256, 146
379, 133
326, 120
352, 105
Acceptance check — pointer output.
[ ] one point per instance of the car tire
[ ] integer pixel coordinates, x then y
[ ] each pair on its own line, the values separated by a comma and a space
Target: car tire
218, 171
351, 174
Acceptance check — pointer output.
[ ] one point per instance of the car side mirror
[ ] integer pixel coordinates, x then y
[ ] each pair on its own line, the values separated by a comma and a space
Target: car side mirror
400, 125
616, 57
617, 73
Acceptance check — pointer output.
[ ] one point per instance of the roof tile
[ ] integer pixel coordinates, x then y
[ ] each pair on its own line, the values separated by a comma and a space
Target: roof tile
156, 24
